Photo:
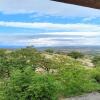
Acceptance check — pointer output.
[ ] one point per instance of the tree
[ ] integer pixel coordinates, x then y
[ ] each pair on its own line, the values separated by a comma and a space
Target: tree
75, 54
49, 50
96, 60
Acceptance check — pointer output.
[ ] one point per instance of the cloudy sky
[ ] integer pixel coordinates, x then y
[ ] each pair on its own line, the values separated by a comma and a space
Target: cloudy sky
47, 23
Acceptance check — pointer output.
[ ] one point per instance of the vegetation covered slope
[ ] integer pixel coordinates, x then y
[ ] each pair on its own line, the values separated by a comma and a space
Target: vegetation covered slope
28, 74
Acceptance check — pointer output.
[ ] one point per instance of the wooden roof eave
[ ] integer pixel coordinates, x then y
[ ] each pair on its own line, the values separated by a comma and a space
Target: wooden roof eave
86, 3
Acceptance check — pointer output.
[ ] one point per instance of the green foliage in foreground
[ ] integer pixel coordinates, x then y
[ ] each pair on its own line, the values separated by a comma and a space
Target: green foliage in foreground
20, 59
77, 80
30, 86
61, 76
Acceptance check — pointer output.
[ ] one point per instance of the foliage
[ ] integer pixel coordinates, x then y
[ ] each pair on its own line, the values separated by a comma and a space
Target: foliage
20, 59
63, 75
49, 50
48, 64
96, 60
96, 74
76, 80
75, 54
2, 88
30, 86
3, 52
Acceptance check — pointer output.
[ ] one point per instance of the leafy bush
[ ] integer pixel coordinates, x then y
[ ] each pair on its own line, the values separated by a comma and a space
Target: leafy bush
76, 80
20, 59
75, 54
2, 88
96, 60
49, 50
48, 64
30, 86
96, 74
66, 76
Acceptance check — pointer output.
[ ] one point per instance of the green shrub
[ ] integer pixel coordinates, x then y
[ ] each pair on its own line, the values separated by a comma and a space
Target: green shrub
75, 54
96, 74
66, 76
30, 86
21, 59
2, 88
76, 80
96, 60
49, 50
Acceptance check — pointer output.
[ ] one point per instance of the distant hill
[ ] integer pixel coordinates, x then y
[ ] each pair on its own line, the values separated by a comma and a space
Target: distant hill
84, 49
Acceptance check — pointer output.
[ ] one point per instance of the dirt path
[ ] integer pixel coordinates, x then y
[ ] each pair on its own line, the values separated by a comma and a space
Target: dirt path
91, 96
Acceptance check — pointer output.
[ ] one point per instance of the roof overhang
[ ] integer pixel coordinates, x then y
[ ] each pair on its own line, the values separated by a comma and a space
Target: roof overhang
86, 3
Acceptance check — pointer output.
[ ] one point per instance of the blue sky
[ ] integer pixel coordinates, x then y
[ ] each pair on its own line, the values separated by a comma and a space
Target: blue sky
47, 23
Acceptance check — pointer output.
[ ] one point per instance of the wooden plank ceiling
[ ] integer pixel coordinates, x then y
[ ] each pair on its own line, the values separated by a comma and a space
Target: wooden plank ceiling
86, 3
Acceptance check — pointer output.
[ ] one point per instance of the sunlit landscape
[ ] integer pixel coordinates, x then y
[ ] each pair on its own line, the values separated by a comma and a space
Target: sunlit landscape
49, 50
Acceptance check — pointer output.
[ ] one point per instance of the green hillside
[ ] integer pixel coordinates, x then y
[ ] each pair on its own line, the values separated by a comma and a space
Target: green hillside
29, 74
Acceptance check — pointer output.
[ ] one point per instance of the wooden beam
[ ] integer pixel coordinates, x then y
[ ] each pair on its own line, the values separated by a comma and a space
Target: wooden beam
86, 3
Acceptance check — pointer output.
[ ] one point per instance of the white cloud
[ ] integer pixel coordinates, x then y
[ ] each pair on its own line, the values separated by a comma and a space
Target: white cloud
78, 27
86, 19
47, 7
84, 34
56, 42
85, 38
